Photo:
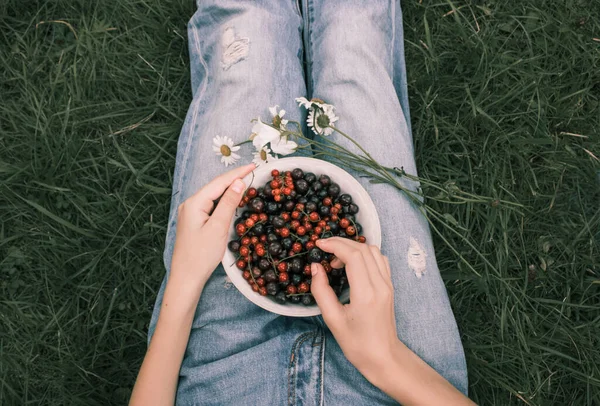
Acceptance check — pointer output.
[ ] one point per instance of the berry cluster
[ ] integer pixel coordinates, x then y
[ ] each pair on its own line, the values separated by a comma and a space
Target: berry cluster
277, 234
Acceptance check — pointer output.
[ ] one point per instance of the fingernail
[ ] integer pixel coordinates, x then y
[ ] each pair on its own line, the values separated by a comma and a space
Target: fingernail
238, 186
320, 242
313, 269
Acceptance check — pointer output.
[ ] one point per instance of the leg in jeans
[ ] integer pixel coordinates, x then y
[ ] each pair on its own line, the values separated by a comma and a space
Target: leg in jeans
245, 56
355, 61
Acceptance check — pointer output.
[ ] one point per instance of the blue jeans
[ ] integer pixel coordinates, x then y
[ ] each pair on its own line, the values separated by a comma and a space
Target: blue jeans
245, 57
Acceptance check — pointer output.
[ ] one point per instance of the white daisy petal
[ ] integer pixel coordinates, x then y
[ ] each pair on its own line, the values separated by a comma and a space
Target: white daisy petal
303, 102
281, 113
273, 110
264, 134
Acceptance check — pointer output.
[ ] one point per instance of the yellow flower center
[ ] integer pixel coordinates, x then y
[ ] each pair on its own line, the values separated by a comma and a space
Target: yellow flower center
263, 155
225, 150
277, 121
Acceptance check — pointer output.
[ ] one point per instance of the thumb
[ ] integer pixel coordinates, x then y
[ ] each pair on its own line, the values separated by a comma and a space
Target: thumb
330, 306
223, 213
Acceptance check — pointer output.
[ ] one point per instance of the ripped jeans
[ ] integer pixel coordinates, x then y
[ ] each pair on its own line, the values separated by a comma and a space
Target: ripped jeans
246, 56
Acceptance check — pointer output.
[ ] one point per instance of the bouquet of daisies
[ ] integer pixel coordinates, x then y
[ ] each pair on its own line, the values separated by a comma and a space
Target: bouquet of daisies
278, 138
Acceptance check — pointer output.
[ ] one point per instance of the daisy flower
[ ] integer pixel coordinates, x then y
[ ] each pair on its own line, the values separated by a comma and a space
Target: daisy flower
312, 103
262, 134
321, 119
282, 146
263, 156
278, 120
223, 147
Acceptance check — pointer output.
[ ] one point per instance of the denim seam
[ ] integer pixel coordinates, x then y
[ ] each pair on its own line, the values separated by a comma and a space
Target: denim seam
393, 42
321, 369
188, 146
308, 20
293, 362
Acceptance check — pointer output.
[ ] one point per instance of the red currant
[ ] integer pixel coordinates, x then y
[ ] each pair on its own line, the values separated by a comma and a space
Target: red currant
307, 270
334, 217
296, 215
301, 230
291, 290
285, 216
294, 224
254, 240
300, 207
245, 240
287, 191
362, 239
318, 230
254, 286
322, 223
310, 245
260, 250
263, 238
261, 282
241, 264
254, 217
334, 210
251, 192
326, 265
314, 216
276, 192
296, 247
246, 274
350, 230
249, 223
303, 287
344, 223
240, 229
263, 217
327, 201
284, 232
338, 206
282, 266
277, 198
275, 184
283, 277
274, 173
244, 251
263, 291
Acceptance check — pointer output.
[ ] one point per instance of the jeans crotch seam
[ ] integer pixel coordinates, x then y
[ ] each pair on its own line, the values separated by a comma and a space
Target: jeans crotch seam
321, 369
393, 42
307, 11
292, 365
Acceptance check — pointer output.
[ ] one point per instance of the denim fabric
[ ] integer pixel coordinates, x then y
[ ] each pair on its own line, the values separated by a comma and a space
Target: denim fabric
246, 56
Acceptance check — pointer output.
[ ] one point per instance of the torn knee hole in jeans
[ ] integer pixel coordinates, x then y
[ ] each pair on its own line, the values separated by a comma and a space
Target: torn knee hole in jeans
417, 258
235, 49
228, 284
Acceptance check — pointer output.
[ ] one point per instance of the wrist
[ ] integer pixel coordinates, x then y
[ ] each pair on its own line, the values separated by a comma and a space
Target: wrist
182, 292
387, 367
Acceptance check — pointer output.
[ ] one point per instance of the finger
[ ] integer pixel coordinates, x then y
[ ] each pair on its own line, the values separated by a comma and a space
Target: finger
336, 263
205, 197
381, 265
223, 213
350, 255
387, 265
331, 308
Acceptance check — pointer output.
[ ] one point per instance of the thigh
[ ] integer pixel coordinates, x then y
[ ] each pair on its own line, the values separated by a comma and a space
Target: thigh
357, 65
245, 56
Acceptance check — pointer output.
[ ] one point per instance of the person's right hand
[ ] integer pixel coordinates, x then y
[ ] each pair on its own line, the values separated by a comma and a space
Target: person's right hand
366, 328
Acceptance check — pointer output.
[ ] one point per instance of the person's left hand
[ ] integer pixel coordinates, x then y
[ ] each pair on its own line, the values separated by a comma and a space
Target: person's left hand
202, 232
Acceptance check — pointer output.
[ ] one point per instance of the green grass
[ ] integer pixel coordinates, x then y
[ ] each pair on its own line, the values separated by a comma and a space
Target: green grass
505, 103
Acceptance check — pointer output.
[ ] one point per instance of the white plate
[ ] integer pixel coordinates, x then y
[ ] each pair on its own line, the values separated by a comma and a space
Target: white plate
367, 217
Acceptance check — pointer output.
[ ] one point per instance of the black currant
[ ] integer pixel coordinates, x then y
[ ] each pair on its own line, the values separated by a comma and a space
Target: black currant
281, 297
287, 243
296, 278
324, 210
315, 255
345, 199
324, 180
234, 246
307, 300
278, 222
275, 248
301, 186
272, 288
333, 226
272, 237
316, 186
264, 264
310, 207
259, 228
297, 173
295, 299
289, 205
272, 207
352, 208
310, 177
333, 190
296, 265
257, 205
270, 276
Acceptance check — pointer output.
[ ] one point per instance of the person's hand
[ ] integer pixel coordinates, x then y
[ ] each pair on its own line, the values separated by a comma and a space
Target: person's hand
202, 232
366, 328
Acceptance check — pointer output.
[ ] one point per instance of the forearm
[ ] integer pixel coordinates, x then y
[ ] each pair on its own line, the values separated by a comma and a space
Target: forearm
157, 381
409, 380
